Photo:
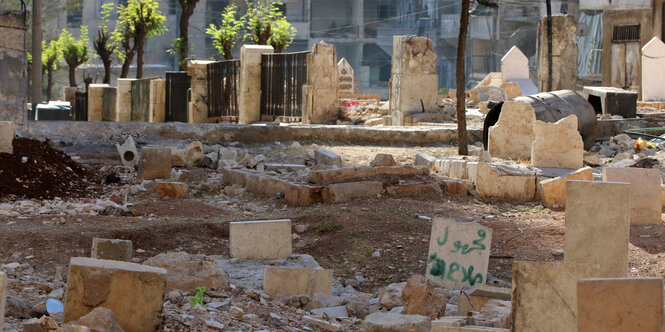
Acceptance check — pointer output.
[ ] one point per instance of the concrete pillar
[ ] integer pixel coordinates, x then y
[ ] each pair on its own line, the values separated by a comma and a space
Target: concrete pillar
321, 93
249, 89
157, 100
96, 101
123, 102
197, 110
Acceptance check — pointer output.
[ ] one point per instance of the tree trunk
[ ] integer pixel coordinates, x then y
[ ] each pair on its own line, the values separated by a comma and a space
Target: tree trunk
461, 93
49, 83
187, 12
140, 40
126, 65
107, 70
72, 76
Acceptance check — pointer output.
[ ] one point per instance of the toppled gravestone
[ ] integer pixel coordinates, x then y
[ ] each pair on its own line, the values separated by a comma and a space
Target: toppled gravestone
288, 281
185, 272
389, 322
327, 158
422, 297
553, 191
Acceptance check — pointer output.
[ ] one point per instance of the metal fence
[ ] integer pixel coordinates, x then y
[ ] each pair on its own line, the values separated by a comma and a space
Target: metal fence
81, 106
282, 78
177, 84
222, 89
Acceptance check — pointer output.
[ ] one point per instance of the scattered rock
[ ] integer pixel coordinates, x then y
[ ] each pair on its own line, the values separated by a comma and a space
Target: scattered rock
421, 297
327, 158
383, 159
389, 322
191, 156
391, 296
100, 320
186, 272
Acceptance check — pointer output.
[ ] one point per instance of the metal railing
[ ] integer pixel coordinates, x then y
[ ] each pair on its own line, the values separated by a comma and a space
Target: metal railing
282, 78
222, 89
177, 84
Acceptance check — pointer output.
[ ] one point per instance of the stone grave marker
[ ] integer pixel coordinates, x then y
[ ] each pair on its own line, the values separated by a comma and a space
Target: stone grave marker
514, 65
112, 249
653, 70
264, 239
598, 225
458, 253
511, 137
558, 144
346, 81
288, 281
645, 202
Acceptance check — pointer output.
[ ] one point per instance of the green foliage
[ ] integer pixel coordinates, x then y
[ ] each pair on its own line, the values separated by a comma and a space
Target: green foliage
324, 227
74, 51
51, 55
198, 298
137, 17
225, 36
260, 18
107, 10
282, 34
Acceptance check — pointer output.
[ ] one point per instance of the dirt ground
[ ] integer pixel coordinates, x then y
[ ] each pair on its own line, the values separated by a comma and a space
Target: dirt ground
341, 236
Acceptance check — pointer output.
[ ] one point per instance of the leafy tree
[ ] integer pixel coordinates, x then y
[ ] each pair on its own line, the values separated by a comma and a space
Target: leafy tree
138, 21
282, 35
182, 44
75, 52
267, 24
225, 36
103, 44
122, 36
51, 56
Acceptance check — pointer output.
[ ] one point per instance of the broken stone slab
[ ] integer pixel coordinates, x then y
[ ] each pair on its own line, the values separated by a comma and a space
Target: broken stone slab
490, 183
422, 297
458, 169
323, 324
545, 295
557, 144
340, 192
134, 292
383, 159
458, 253
341, 174
495, 313
598, 226
512, 136
393, 322
645, 184
402, 170
127, 152
7, 133
440, 324
553, 191
191, 156
391, 296
423, 159
185, 272
3, 298
265, 239
43, 324
337, 311
195, 175
155, 163
289, 281
233, 176
621, 304
416, 189
478, 296
287, 167
172, 190
100, 319
327, 158
112, 249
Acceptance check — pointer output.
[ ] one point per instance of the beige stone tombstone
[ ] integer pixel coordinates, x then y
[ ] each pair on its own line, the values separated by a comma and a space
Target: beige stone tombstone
645, 192
653, 70
197, 107
458, 253
263, 239
545, 295
96, 101
157, 106
514, 65
621, 304
123, 101
512, 136
346, 78
249, 87
558, 144
321, 93
598, 226
288, 281
553, 191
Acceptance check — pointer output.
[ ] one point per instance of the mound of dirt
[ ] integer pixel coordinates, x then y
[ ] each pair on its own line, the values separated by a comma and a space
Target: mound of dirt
36, 170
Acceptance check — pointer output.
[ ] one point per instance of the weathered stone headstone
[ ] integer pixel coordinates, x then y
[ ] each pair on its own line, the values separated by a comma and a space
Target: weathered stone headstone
134, 292
264, 239
490, 183
553, 191
96, 101
321, 93
346, 80
558, 144
512, 136
155, 163
7, 133
653, 70
3, 298
622, 304
645, 183
197, 108
458, 253
598, 226
545, 295
288, 281
157, 107
514, 65
249, 83
111, 249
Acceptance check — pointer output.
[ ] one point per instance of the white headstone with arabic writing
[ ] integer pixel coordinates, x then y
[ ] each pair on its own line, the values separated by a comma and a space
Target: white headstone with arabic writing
458, 253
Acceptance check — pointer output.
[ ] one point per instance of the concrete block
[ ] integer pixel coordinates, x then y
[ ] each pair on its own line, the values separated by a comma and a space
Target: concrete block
3, 298
155, 163
472, 171
553, 191
341, 174
545, 295
512, 136
478, 296
622, 304
614, 101
558, 144
458, 253
340, 192
127, 151
327, 158
458, 169
645, 184
134, 292
265, 239
7, 133
288, 281
111, 249
394, 322
598, 226
423, 159
172, 189
489, 183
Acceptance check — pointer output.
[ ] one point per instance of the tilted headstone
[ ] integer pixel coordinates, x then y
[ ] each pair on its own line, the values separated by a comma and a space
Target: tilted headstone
653, 70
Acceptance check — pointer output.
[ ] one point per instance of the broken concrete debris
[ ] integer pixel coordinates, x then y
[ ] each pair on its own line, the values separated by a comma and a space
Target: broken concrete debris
422, 297
127, 151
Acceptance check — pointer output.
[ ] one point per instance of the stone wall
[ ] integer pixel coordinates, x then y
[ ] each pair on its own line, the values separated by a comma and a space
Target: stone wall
321, 93
564, 53
13, 66
414, 82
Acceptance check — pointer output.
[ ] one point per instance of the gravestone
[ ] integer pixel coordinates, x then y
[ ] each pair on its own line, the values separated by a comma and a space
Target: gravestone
113, 249
321, 93
545, 295
249, 83
645, 202
621, 304
155, 163
96, 101
346, 78
458, 253
598, 226
512, 136
264, 239
558, 144
553, 191
514, 65
288, 281
653, 70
